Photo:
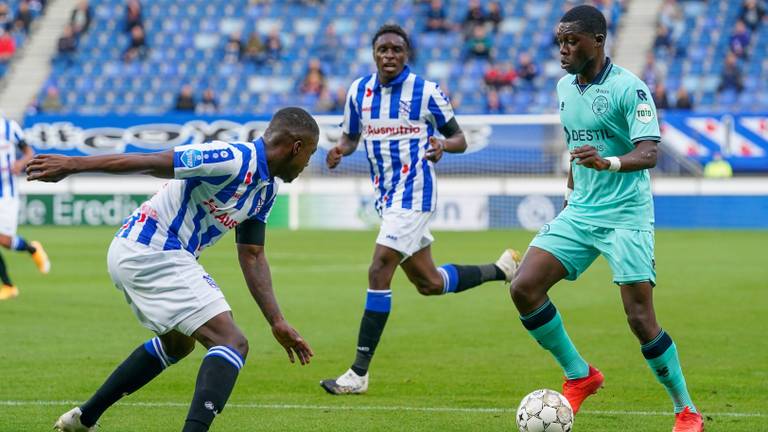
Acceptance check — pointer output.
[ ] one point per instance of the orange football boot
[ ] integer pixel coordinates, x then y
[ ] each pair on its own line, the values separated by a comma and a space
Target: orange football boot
576, 390
688, 421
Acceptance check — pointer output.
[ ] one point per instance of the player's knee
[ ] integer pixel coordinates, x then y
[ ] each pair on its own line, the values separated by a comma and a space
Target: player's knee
523, 291
179, 349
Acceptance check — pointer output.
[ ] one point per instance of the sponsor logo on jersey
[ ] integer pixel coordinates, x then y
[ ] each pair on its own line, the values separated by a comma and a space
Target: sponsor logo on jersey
192, 158
588, 134
220, 215
644, 113
600, 105
641, 94
373, 131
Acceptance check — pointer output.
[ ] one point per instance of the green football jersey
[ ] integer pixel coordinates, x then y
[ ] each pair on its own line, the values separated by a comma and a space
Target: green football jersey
613, 113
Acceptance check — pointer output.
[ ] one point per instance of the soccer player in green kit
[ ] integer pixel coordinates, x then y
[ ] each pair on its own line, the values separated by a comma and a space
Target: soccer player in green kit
612, 132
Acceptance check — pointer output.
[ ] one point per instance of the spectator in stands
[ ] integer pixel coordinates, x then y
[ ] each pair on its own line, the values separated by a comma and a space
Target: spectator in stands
527, 70
7, 46
81, 17
185, 100
436, 18
652, 71
500, 76
24, 15
475, 17
255, 50
137, 50
495, 15
479, 45
133, 15
327, 48
314, 80
208, 104
51, 103
67, 45
732, 78
740, 39
671, 17
6, 19
233, 50
660, 96
752, 13
493, 103
683, 99
274, 45
663, 41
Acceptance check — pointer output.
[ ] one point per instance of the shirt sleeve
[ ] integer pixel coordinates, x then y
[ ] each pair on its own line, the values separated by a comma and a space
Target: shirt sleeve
215, 161
640, 112
268, 197
17, 135
439, 106
351, 124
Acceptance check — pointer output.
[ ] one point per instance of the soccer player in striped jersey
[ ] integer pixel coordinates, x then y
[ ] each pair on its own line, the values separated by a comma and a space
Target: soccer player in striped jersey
612, 132
397, 114
215, 187
11, 143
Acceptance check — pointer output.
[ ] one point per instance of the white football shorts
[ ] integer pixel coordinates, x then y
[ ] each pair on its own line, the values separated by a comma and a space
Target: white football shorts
167, 290
9, 216
406, 231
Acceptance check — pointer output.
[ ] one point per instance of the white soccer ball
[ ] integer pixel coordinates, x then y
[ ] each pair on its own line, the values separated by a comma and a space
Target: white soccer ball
544, 411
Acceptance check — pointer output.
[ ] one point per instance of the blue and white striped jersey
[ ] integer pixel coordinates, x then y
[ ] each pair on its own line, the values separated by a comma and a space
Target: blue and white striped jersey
217, 185
11, 140
395, 122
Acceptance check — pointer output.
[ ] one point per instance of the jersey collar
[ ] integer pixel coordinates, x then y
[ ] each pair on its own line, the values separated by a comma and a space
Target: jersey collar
599, 78
261, 160
398, 79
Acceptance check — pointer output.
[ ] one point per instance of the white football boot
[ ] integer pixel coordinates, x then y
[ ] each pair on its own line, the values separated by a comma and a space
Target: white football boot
70, 422
508, 263
348, 383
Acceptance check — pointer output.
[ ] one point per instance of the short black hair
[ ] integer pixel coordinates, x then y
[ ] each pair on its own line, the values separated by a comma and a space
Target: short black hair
391, 28
295, 121
590, 19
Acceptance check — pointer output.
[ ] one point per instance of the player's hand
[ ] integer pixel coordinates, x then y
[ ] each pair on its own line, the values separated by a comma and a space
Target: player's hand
292, 341
588, 157
49, 168
334, 157
436, 149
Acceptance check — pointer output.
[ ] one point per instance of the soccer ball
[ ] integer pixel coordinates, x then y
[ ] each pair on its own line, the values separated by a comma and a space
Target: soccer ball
544, 411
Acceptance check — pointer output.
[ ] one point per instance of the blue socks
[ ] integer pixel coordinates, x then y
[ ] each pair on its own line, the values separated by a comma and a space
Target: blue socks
661, 356
546, 326
20, 245
458, 278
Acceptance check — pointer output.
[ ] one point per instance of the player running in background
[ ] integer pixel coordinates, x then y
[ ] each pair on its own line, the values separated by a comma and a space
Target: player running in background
612, 132
397, 114
216, 186
11, 141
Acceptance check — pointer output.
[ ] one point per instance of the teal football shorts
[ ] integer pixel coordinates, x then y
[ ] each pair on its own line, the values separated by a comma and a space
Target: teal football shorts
576, 245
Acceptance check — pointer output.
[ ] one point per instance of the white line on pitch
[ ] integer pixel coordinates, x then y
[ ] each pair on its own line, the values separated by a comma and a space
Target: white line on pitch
364, 408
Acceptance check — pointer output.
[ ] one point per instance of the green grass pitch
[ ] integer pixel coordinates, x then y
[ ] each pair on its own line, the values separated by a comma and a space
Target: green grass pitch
453, 363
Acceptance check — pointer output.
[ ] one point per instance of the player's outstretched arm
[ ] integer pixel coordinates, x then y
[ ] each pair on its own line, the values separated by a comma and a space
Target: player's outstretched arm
644, 156
346, 146
52, 168
253, 263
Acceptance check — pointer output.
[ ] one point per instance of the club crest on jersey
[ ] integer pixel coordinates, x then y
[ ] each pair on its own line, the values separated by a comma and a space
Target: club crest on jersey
191, 158
405, 107
600, 105
644, 113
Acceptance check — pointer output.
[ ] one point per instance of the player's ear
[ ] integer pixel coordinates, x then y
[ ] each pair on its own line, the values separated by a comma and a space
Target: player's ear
296, 149
599, 40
